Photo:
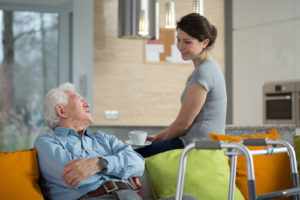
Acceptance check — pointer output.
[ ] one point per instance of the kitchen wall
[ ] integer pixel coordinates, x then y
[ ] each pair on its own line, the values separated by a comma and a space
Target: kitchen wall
142, 93
266, 47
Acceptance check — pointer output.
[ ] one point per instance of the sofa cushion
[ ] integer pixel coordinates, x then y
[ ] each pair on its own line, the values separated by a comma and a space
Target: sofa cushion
272, 173
19, 174
145, 189
206, 175
297, 151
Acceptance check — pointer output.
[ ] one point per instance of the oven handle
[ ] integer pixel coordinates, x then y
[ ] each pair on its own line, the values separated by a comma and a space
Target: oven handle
286, 97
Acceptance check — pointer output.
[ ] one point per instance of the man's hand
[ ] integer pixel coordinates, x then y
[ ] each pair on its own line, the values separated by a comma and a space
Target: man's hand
80, 169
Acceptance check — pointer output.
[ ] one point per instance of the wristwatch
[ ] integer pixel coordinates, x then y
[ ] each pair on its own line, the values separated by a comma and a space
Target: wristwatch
103, 163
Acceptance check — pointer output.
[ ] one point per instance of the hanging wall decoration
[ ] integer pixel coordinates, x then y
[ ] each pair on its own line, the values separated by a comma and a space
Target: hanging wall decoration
165, 49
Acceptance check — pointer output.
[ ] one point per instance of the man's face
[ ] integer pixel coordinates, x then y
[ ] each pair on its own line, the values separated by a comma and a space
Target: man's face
77, 110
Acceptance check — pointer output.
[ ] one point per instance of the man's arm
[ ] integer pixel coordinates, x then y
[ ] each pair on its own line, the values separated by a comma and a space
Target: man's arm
58, 166
80, 169
123, 162
54, 159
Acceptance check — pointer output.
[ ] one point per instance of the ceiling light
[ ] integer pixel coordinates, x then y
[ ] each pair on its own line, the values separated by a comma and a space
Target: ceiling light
143, 24
170, 14
137, 19
143, 19
198, 6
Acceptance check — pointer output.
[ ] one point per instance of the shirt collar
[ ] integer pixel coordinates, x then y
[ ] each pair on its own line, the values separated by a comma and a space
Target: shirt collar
63, 131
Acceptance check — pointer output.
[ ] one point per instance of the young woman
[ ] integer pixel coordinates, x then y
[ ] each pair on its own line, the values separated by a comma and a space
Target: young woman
204, 99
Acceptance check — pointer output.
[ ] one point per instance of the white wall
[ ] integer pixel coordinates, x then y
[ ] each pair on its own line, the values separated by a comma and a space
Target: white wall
266, 47
83, 45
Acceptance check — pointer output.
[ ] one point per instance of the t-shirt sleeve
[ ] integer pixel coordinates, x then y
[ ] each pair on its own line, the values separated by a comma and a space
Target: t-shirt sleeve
204, 76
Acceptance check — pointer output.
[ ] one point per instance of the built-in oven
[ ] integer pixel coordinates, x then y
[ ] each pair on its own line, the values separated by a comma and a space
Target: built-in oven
281, 103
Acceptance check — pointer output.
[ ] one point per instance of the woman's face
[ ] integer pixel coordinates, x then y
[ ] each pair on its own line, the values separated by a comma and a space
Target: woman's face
189, 46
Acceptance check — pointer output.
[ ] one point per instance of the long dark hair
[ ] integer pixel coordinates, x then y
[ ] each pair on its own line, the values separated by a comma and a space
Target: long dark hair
198, 27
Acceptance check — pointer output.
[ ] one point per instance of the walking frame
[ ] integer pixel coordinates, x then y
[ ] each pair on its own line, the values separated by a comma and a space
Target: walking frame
240, 149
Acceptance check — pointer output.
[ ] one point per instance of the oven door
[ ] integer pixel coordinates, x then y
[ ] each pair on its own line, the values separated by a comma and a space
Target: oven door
279, 108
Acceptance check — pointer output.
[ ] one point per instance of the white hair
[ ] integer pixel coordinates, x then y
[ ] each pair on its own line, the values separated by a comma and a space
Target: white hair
55, 96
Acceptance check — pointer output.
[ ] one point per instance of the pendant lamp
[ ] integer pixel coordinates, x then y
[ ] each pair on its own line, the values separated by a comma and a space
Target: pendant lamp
198, 6
170, 14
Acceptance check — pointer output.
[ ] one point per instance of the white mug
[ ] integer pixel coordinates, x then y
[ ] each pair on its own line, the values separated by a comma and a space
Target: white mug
138, 137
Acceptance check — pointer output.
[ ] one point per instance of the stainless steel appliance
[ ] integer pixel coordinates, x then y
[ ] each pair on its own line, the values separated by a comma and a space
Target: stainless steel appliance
281, 103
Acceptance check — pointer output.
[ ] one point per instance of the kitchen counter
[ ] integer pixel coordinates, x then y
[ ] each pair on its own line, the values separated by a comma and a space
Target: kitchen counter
122, 131
286, 132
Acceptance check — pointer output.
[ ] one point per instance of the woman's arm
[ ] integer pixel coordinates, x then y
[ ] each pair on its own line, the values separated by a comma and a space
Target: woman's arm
191, 106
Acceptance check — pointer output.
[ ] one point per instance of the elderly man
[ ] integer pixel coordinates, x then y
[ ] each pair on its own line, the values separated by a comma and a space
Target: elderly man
76, 164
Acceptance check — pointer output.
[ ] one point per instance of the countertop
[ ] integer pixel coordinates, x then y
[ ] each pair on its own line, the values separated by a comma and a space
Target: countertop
286, 132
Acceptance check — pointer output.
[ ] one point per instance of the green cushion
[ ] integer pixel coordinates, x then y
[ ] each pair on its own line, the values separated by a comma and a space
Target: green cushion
297, 150
206, 176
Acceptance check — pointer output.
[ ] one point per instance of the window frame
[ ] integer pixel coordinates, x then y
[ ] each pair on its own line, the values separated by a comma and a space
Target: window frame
64, 32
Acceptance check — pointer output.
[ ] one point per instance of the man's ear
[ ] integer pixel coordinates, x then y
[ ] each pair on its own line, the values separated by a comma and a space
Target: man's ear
60, 110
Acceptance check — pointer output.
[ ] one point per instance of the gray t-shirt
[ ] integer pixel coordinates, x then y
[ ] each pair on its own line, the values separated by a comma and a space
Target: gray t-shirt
211, 118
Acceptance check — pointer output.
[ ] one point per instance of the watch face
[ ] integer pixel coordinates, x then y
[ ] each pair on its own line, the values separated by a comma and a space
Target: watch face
104, 163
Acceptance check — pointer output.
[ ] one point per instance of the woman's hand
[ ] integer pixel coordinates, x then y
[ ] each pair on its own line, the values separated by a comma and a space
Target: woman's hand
159, 136
152, 138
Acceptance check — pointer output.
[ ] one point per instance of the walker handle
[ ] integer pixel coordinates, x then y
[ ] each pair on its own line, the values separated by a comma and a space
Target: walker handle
208, 145
255, 142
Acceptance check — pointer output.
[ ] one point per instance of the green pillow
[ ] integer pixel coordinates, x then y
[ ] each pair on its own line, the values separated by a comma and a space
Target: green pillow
206, 176
297, 151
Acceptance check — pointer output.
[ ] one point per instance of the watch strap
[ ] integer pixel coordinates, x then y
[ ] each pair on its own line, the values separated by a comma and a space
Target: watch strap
103, 163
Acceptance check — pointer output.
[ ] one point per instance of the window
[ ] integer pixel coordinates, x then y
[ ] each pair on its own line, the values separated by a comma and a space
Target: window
29, 67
